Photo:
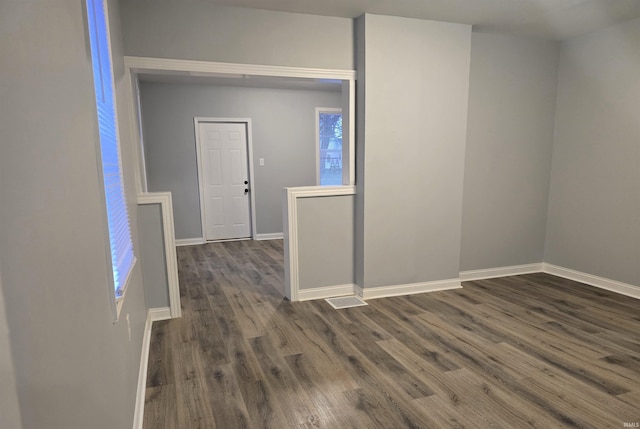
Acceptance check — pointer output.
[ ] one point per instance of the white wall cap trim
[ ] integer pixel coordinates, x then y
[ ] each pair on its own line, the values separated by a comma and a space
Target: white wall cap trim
320, 191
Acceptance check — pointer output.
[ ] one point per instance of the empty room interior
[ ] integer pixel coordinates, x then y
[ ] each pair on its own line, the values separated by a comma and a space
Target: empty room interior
467, 172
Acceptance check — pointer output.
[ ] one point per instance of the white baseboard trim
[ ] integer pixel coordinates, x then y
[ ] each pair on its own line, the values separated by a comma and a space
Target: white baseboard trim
189, 241
407, 289
142, 373
590, 279
160, 313
271, 236
153, 315
325, 292
489, 273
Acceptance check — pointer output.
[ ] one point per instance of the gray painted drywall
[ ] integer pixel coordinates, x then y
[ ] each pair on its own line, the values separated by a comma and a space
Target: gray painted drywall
361, 108
283, 123
325, 241
152, 256
415, 100
9, 407
512, 99
594, 206
198, 30
74, 367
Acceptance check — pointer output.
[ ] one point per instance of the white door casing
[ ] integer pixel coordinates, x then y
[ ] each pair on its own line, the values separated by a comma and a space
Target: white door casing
224, 180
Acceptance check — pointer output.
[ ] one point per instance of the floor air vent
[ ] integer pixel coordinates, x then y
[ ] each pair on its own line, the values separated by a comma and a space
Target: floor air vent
345, 302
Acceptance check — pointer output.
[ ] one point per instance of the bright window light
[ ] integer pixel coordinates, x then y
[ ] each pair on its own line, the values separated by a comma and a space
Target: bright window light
122, 257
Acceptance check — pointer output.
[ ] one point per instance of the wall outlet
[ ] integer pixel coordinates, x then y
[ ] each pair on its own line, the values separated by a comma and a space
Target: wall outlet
261, 161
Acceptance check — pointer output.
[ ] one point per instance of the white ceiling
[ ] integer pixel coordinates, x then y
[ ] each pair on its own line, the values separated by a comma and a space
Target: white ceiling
552, 19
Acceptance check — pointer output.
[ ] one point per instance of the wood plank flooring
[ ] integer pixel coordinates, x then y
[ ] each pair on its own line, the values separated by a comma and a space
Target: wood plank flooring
532, 351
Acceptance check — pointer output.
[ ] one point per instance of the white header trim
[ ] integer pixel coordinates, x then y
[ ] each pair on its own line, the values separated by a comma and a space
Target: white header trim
189, 67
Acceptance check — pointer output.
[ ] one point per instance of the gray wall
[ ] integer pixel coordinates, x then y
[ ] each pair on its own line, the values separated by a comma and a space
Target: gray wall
74, 367
325, 241
361, 110
198, 30
512, 99
412, 151
594, 205
283, 124
152, 256
9, 407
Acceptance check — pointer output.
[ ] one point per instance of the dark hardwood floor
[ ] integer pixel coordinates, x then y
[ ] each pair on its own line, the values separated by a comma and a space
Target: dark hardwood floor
532, 351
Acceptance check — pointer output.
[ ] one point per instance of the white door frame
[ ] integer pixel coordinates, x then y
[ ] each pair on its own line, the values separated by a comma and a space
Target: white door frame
247, 122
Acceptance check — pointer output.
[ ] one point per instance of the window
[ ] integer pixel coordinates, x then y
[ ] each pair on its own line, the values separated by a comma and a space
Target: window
329, 144
122, 257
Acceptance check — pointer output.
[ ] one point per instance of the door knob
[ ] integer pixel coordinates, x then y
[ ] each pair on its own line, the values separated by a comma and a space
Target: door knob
246, 182
246, 191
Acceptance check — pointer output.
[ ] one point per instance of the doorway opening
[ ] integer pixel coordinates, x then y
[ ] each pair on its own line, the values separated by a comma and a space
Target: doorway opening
170, 172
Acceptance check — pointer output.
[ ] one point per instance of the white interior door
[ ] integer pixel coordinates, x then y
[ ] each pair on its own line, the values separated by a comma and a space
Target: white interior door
225, 180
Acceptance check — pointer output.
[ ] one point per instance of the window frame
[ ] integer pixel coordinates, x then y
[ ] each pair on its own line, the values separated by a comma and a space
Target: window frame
121, 259
319, 111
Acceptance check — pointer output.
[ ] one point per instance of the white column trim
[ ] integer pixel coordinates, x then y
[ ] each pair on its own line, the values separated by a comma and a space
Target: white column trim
290, 222
166, 207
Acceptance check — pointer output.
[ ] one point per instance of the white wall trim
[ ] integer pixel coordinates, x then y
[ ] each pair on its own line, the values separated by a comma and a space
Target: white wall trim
252, 185
590, 279
325, 292
138, 415
190, 241
159, 313
271, 236
134, 65
290, 222
190, 67
407, 289
132, 95
489, 273
153, 315
171, 259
